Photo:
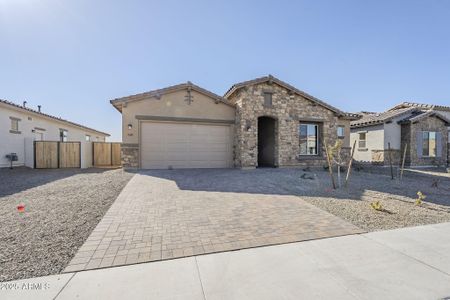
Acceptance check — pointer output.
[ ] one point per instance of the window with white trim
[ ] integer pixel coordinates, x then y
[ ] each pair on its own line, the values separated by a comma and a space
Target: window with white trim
362, 140
14, 124
88, 138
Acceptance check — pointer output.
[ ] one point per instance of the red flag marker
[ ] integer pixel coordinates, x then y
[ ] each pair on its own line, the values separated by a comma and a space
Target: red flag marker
21, 208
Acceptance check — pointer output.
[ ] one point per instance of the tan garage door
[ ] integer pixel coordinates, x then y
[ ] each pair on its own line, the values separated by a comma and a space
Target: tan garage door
182, 145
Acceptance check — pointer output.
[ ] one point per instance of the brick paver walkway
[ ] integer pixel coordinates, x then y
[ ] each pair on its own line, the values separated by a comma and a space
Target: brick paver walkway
169, 214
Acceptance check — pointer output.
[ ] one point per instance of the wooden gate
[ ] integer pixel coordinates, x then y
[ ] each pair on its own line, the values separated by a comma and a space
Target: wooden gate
53, 155
46, 155
70, 155
106, 154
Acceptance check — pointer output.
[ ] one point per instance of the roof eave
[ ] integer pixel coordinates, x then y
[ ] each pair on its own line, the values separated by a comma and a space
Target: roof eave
351, 117
368, 124
166, 90
116, 105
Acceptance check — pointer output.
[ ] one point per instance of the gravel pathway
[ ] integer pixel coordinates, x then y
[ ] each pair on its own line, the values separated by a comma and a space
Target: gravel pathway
62, 207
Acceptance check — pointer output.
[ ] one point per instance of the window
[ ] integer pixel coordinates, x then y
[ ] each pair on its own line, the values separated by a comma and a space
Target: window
63, 135
341, 131
14, 124
267, 99
429, 144
362, 140
88, 138
309, 139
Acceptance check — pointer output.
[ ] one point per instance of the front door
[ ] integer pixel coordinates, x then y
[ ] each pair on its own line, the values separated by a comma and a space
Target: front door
266, 142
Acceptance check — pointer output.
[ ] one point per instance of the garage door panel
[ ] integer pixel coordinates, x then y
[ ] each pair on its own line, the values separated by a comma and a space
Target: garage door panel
155, 147
210, 164
180, 156
174, 146
181, 145
207, 156
177, 164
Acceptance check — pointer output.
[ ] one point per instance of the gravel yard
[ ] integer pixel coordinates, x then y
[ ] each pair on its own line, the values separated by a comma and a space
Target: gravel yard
62, 207
397, 199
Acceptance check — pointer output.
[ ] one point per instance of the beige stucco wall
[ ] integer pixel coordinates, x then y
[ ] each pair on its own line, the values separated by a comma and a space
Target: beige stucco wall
392, 135
374, 141
172, 105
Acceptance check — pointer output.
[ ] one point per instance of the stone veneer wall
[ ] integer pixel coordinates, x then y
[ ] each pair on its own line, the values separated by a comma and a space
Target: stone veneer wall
406, 140
130, 155
409, 135
289, 110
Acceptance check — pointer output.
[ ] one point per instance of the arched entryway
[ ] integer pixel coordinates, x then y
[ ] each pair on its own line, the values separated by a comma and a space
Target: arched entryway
266, 141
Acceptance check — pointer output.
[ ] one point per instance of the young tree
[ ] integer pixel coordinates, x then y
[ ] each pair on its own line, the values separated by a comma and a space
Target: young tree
336, 158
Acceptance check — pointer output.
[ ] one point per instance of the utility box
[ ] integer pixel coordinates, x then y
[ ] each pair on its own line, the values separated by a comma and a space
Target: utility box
12, 157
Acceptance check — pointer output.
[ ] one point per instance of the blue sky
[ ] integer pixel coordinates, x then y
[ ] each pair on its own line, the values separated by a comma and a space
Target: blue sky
72, 57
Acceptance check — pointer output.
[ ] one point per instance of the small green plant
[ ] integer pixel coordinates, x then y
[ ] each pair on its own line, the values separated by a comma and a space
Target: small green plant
420, 198
376, 205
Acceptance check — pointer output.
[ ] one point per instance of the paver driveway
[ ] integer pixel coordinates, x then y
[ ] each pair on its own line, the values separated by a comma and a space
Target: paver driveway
176, 213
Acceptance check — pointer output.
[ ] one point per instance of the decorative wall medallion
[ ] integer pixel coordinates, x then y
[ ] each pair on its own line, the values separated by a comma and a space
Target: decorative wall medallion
188, 97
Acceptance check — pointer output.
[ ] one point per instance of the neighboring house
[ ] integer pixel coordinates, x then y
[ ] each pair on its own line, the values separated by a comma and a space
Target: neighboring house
423, 129
262, 122
20, 125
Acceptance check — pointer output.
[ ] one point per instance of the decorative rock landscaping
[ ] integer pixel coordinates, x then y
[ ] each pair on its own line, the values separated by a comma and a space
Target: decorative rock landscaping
60, 209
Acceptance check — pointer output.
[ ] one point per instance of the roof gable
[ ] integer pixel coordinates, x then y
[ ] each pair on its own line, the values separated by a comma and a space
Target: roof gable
118, 102
422, 115
272, 79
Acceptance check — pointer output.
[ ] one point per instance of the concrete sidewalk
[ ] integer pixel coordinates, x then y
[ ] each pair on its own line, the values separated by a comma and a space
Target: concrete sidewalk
410, 263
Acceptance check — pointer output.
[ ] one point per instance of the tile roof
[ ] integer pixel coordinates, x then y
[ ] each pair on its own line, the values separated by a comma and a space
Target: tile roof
421, 106
352, 116
369, 119
271, 78
27, 109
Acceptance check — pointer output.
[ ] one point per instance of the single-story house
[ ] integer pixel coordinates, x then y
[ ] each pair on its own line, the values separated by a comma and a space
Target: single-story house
261, 122
420, 128
21, 125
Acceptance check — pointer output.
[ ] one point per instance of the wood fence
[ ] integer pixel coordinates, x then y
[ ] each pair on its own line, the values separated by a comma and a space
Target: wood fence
106, 154
53, 155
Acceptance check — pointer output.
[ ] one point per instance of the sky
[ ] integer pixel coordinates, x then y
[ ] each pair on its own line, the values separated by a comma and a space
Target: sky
72, 57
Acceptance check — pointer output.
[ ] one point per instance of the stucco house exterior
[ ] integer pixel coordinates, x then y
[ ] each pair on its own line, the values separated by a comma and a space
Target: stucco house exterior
423, 129
261, 122
21, 125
